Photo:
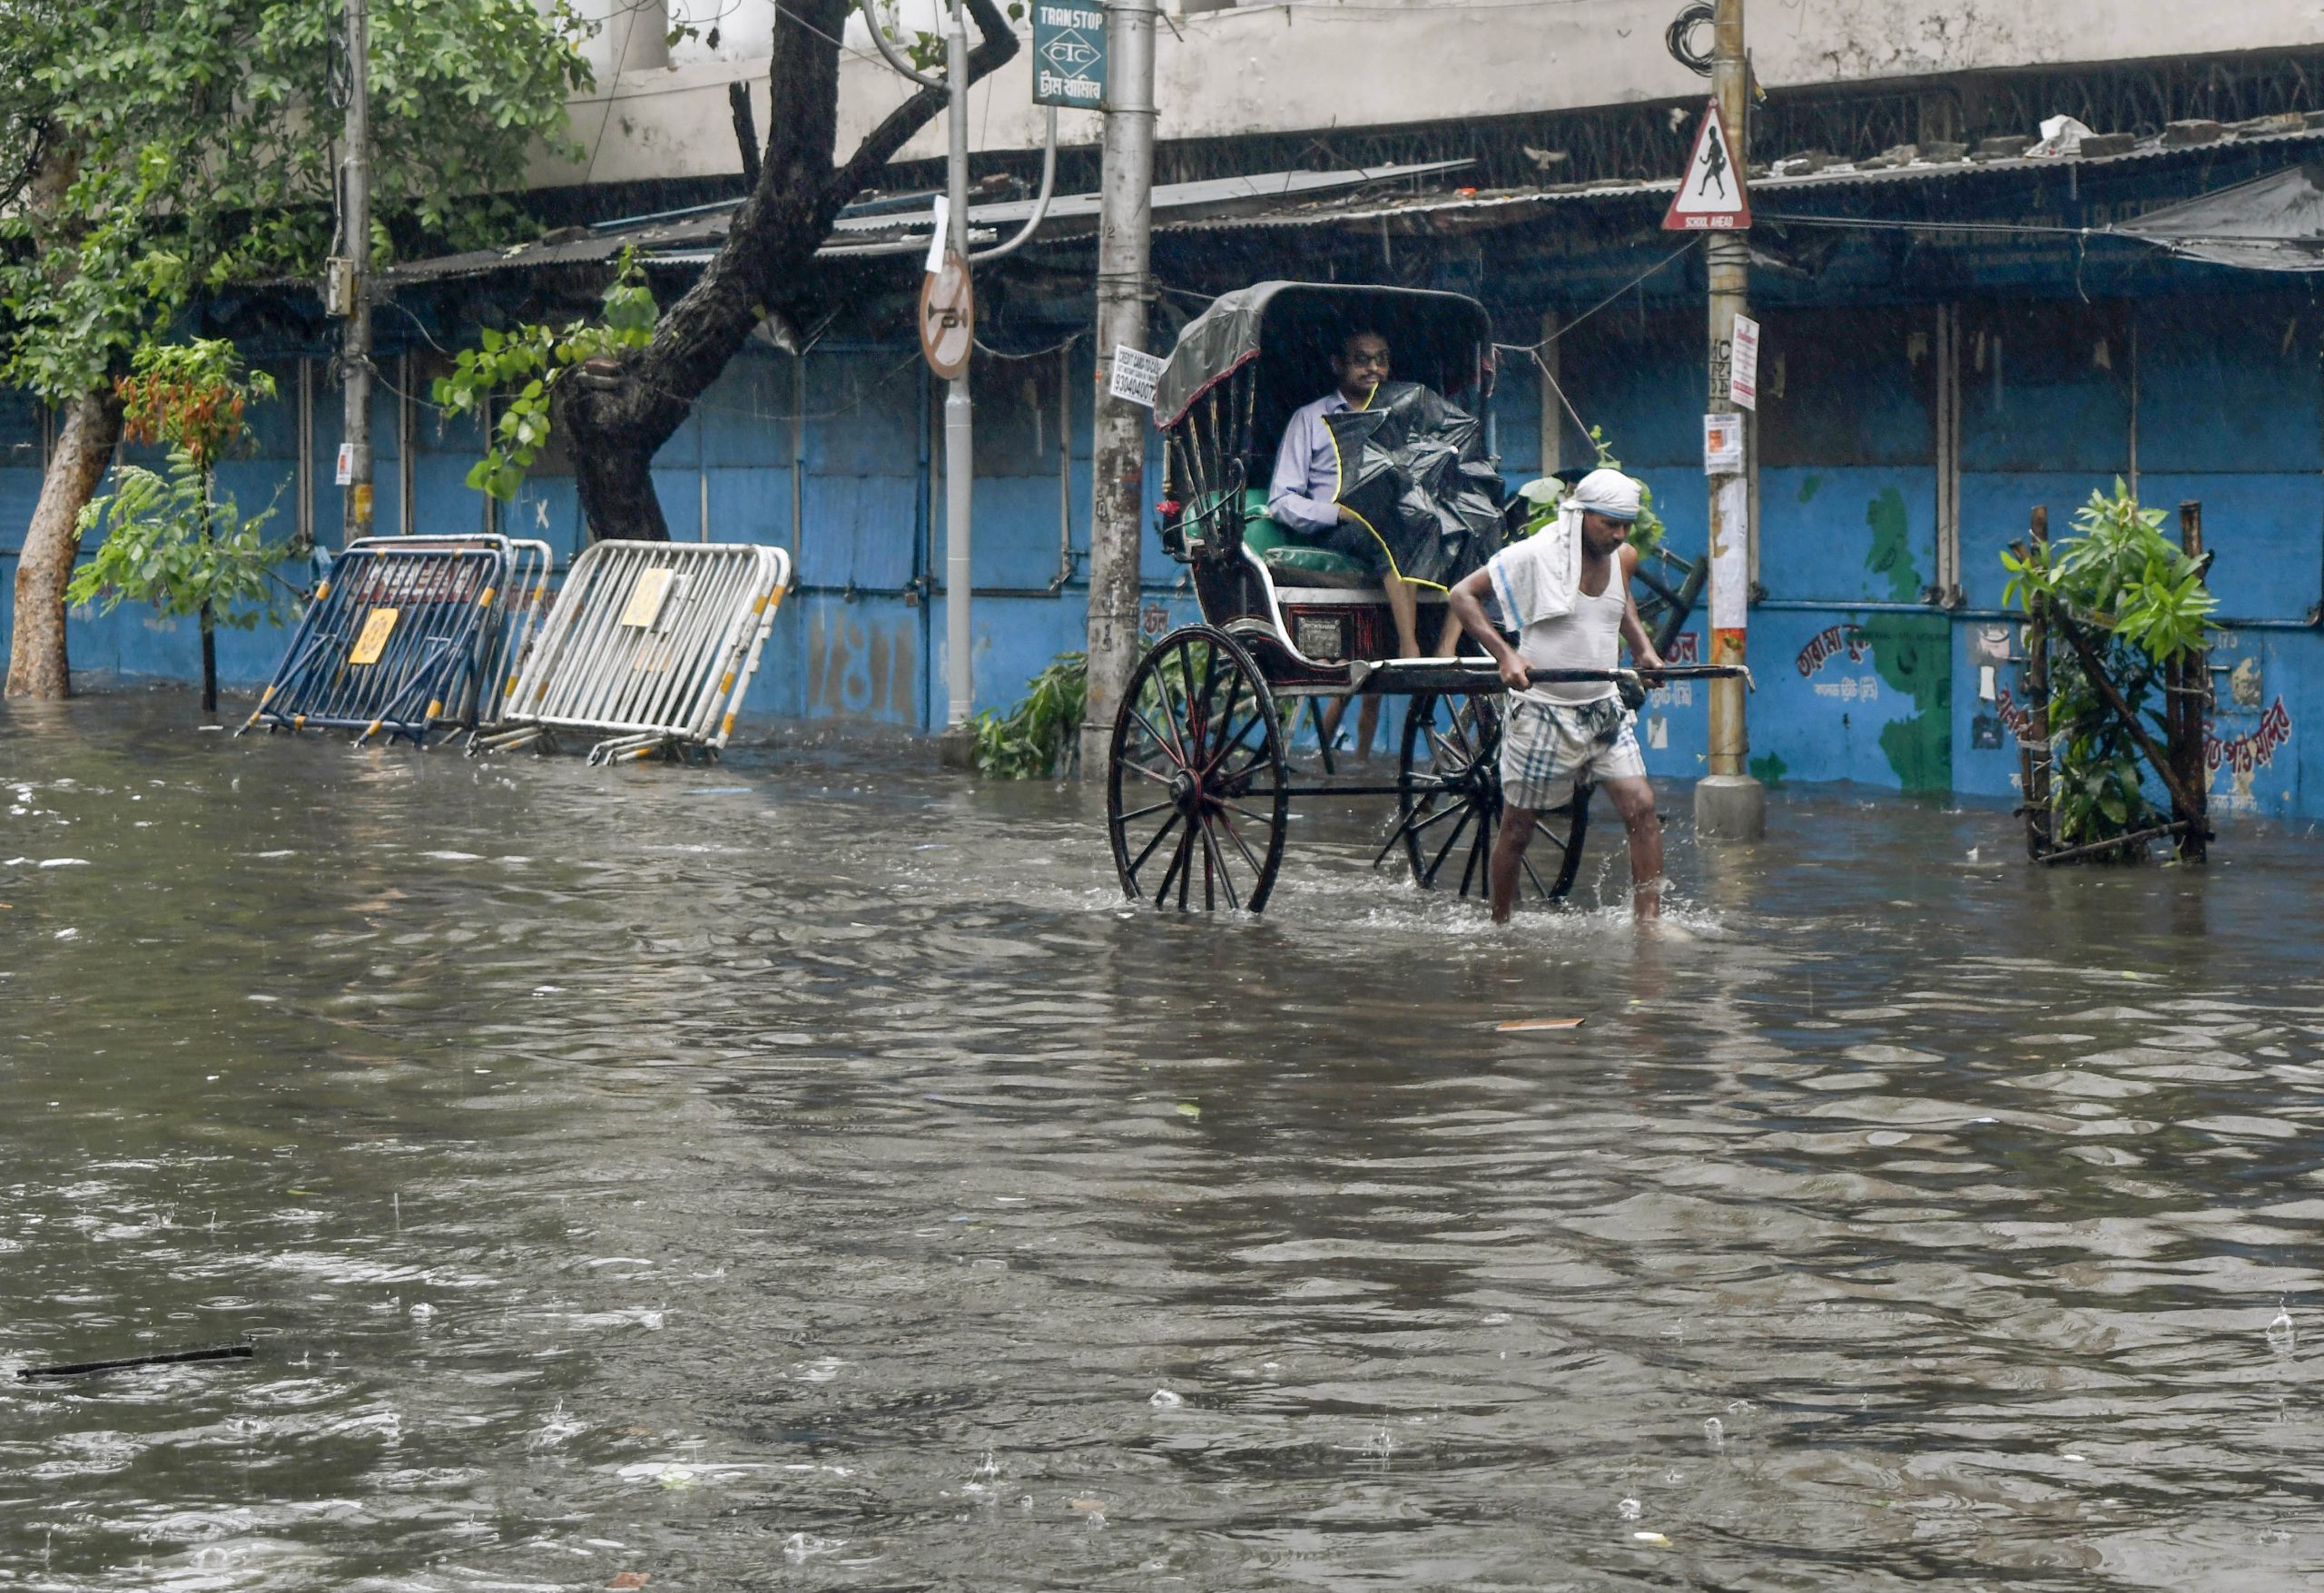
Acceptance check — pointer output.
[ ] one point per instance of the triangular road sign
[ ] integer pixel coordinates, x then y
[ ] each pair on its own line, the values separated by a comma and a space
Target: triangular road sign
1710, 197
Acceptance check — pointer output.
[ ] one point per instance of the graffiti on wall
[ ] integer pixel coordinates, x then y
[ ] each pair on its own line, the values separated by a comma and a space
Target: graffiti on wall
2244, 756
1910, 660
859, 667
1686, 647
1827, 644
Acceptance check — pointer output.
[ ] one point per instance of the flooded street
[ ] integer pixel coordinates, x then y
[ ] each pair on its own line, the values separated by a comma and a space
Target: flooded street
808, 1171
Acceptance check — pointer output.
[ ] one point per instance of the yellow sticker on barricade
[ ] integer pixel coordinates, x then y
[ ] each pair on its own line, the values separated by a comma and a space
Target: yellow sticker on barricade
372, 640
645, 599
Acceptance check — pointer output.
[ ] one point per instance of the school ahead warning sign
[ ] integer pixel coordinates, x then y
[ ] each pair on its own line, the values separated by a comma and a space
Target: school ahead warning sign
1710, 197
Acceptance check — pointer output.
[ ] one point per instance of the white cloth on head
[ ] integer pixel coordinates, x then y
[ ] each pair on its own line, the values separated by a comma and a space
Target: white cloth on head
1610, 493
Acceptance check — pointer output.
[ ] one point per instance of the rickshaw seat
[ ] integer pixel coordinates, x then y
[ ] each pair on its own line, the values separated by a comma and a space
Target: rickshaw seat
1290, 555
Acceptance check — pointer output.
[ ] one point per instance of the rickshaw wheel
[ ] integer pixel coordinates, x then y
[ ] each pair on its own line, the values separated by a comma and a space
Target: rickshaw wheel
1448, 804
1197, 797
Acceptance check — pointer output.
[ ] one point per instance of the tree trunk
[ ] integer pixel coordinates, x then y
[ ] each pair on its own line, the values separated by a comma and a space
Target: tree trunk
37, 665
619, 411
206, 619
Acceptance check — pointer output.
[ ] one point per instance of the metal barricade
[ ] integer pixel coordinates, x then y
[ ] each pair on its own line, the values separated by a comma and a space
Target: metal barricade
408, 633
651, 646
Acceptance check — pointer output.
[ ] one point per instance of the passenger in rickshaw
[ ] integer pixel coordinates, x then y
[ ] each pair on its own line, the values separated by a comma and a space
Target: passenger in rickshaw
1566, 591
1302, 499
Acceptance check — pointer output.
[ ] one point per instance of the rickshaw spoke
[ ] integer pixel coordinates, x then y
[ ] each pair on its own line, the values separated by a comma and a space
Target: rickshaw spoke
1230, 744
1241, 845
1439, 816
1148, 725
1141, 813
1174, 871
1226, 722
1217, 860
1150, 845
1450, 841
1258, 759
1542, 826
1530, 874
1171, 716
1142, 769
1469, 868
1185, 864
1254, 818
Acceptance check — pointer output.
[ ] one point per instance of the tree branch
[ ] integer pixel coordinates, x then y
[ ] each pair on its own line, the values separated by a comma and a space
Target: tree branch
997, 48
2094, 667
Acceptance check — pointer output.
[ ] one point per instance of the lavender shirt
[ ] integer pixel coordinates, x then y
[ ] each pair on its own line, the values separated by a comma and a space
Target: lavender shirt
1308, 470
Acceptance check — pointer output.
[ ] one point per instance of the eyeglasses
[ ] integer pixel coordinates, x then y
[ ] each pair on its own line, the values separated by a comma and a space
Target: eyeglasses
1365, 361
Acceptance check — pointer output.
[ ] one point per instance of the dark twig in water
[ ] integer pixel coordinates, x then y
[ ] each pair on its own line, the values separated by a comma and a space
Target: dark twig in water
171, 1358
2116, 843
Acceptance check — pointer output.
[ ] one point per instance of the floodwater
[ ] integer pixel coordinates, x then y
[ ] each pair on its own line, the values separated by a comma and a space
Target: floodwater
807, 1172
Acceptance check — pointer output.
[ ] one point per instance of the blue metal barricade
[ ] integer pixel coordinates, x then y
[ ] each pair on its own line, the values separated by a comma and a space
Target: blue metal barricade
409, 633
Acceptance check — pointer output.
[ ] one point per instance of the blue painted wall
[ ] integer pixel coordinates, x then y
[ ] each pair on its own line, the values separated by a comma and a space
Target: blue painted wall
2218, 397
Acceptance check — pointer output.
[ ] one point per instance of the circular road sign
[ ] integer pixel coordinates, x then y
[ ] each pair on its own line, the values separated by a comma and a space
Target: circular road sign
948, 318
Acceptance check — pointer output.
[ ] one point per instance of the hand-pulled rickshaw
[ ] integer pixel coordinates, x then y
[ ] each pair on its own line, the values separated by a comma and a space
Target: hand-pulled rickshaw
1200, 782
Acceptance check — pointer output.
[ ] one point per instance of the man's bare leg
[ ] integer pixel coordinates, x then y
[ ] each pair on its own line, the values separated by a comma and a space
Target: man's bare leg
1508, 854
1634, 800
1403, 607
1448, 640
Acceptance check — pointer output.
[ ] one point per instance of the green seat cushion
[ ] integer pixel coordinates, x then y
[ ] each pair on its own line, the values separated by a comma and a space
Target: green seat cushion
1285, 549
1312, 561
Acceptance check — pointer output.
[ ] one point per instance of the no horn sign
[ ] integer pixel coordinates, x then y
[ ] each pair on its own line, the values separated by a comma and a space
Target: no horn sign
1069, 56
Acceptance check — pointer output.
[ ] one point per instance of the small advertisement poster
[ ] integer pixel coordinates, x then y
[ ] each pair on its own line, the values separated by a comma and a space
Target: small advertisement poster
1722, 445
1743, 369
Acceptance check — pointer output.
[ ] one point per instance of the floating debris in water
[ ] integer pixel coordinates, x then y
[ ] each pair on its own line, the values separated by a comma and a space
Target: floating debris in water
1523, 1025
1716, 1431
1650, 1538
1164, 1400
2282, 1336
1629, 1509
165, 1358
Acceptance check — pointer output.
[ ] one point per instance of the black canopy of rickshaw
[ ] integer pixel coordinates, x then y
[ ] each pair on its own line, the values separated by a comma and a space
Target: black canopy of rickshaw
1441, 339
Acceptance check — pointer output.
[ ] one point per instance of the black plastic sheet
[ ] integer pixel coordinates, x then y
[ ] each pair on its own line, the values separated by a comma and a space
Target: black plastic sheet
1413, 465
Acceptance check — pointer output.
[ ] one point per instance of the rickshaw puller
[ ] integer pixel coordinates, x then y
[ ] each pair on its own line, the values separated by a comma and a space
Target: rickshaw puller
1302, 493
1571, 608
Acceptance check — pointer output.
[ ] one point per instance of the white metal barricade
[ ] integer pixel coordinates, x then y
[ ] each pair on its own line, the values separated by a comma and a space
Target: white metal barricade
651, 646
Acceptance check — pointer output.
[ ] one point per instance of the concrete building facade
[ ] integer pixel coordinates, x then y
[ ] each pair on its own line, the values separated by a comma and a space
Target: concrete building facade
1927, 383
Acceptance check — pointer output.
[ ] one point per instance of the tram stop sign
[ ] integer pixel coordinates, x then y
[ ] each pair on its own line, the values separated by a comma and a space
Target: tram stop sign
947, 316
1069, 54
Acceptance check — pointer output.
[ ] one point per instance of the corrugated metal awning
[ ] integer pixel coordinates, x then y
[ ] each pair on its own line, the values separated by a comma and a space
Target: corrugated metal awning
691, 236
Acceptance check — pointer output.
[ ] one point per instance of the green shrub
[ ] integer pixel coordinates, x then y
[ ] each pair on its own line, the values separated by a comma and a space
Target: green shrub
2142, 603
1037, 738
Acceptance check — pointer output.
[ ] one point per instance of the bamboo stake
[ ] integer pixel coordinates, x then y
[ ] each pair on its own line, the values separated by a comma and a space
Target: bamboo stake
2033, 753
2194, 670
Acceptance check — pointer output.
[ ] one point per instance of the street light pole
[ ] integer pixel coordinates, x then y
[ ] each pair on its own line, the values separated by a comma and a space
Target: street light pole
957, 748
352, 278
1118, 517
1729, 804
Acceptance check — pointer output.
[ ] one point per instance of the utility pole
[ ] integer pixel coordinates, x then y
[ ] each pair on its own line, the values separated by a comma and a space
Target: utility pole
349, 290
957, 748
1729, 804
1118, 517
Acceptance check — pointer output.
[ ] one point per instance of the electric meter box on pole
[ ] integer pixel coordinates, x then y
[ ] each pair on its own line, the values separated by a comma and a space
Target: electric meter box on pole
1068, 55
